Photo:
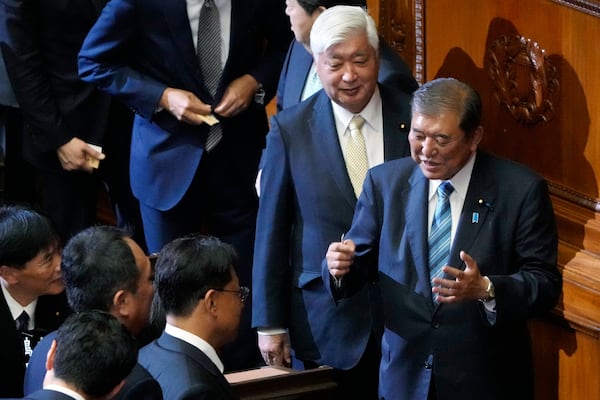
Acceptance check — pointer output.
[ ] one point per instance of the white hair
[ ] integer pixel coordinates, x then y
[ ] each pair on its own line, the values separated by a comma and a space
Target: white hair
337, 23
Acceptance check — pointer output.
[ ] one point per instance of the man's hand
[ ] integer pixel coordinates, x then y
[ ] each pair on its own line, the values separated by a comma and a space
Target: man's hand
238, 96
468, 284
73, 155
340, 256
184, 105
275, 349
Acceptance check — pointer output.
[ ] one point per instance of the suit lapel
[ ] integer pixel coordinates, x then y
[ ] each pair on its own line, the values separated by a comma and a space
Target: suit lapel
416, 229
327, 144
299, 72
478, 205
175, 13
177, 345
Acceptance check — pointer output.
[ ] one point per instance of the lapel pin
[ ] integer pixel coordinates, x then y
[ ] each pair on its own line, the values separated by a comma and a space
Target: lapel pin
475, 218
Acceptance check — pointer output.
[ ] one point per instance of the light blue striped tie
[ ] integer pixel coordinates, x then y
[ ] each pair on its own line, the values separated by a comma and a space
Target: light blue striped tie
441, 230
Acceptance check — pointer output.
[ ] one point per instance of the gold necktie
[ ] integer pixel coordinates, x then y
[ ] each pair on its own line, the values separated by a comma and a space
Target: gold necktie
355, 154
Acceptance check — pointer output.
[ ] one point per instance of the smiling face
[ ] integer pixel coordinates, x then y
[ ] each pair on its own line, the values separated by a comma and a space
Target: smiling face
439, 145
300, 20
39, 276
348, 72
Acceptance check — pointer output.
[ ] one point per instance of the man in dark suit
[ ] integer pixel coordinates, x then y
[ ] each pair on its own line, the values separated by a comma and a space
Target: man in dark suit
32, 290
104, 269
186, 181
63, 115
200, 292
90, 357
297, 83
460, 331
309, 200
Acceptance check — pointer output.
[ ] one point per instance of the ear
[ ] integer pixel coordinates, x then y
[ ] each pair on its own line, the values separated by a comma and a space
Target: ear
210, 301
121, 302
50, 356
9, 274
477, 137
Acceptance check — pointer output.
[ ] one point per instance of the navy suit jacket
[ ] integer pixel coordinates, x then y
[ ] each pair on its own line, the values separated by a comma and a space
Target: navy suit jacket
139, 384
47, 395
507, 225
50, 312
393, 72
139, 48
183, 371
307, 202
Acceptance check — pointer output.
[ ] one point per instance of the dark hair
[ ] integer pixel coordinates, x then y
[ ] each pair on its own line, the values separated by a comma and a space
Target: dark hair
310, 6
449, 94
96, 263
188, 267
94, 352
24, 233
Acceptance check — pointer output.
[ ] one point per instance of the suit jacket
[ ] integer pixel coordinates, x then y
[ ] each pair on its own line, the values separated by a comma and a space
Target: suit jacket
139, 384
514, 242
393, 72
183, 371
309, 203
40, 41
137, 61
47, 395
50, 312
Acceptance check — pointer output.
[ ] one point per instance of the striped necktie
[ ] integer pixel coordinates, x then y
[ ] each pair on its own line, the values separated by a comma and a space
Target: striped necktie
209, 56
441, 231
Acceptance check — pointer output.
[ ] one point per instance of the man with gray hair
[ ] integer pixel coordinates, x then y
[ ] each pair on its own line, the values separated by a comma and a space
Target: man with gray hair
465, 246
313, 166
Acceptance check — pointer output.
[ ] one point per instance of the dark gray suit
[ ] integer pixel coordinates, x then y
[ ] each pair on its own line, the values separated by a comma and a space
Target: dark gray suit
183, 371
139, 384
507, 225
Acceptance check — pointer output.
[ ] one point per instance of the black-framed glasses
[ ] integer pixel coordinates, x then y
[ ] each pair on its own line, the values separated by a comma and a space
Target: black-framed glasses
244, 292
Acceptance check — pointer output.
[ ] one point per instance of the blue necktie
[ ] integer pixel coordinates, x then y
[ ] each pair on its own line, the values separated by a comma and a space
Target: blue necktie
22, 322
441, 230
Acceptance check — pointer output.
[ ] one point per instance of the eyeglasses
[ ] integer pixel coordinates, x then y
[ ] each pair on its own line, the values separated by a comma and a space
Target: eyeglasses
244, 292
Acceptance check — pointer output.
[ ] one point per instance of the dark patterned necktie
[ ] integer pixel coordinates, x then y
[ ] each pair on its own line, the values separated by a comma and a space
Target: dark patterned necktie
22, 322
209, 57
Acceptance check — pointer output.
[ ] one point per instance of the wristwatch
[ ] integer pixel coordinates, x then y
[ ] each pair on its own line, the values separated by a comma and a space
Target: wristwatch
259, 95
490, 292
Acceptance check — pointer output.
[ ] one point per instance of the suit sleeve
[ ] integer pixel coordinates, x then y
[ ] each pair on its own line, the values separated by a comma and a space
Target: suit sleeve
364, 232
277, 37
536, 285
20, 39
104, 59
271, 269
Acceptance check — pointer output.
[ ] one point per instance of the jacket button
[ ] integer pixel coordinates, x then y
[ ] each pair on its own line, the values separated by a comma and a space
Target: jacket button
435, 325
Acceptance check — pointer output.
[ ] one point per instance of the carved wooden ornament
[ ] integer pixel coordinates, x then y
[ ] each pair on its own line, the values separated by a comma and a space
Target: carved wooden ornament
525, 81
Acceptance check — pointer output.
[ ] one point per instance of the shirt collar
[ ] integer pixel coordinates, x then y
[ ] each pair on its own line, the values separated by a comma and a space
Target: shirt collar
13, 305
64, 390
197, 342
369, 113
460, 181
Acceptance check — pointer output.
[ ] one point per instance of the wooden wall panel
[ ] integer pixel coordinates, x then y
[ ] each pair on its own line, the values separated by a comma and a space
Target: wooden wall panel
535, 64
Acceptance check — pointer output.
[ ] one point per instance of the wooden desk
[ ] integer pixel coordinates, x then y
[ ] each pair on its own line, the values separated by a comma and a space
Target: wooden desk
278, 383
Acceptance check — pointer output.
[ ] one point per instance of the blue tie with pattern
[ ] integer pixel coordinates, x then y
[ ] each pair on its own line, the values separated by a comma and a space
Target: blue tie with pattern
441, 230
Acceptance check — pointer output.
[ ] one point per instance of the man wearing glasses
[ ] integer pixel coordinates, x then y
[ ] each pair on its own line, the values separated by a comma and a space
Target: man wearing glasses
197, 283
